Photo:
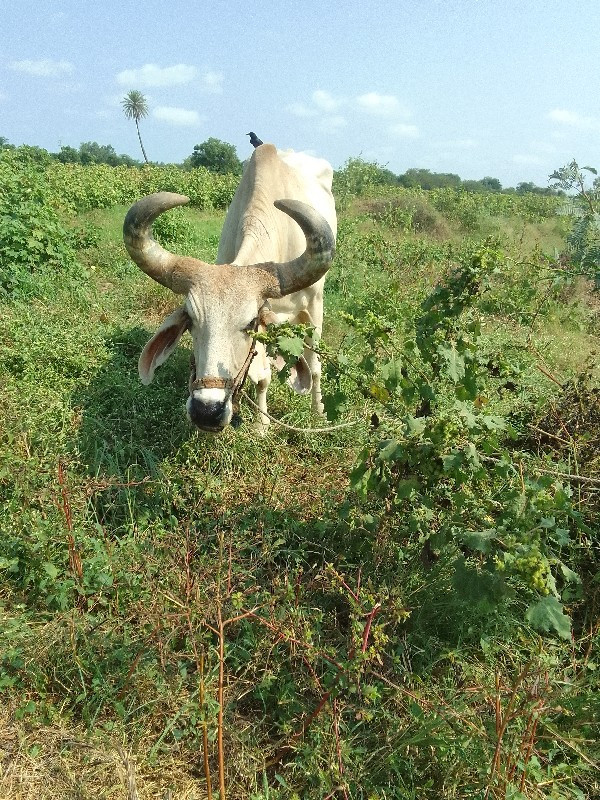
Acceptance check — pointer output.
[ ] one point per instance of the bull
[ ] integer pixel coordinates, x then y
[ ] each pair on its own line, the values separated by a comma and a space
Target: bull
270, 268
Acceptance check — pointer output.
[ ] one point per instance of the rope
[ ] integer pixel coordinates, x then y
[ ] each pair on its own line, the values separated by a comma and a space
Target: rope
552, 472
326, 429
491, 459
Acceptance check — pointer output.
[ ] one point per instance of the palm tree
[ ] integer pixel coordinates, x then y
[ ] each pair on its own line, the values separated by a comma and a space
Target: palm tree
135, 107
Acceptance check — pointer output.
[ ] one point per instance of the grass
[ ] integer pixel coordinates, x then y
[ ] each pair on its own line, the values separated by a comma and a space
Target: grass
357, 661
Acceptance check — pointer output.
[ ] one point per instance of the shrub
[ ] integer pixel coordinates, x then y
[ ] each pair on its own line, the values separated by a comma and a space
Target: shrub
33, 240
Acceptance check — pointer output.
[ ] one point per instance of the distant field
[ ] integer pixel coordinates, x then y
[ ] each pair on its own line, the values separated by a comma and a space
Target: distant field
407, 608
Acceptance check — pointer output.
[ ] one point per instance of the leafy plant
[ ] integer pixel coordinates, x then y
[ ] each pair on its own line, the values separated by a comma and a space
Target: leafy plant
440, 440
34, 242
584, 206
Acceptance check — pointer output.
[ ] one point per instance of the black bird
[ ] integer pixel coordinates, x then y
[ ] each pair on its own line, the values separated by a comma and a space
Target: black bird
254, 140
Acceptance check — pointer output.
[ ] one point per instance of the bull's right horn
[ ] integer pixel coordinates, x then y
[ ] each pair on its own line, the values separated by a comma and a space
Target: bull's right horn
172, 271
292, 276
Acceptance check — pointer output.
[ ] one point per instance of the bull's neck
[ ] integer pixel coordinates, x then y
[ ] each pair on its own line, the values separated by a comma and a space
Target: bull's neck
256, 243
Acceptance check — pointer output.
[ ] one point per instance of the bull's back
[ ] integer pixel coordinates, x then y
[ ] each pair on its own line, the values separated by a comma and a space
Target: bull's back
254, 230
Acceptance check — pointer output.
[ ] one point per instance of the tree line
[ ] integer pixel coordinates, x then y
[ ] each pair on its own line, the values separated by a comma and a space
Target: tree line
221, 157
426, 179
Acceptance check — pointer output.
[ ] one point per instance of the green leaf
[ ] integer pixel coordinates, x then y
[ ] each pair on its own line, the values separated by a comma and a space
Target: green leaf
492, 422
569, 575
547, 615
452, 461
455, 363
334, 404
359, 475
404, 488
379, 393
50, 569
466, 412
390, 448
415, 425
391, 372
293, 345
479, 540
561, 536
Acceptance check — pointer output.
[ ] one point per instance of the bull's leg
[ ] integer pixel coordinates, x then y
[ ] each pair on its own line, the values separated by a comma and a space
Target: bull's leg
314, 316
262, 421
314, 365
260, 374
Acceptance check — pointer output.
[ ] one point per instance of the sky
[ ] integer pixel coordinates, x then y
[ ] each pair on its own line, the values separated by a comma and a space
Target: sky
500, 88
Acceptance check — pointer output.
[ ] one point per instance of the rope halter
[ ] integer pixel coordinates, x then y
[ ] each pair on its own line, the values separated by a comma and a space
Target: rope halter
232, 386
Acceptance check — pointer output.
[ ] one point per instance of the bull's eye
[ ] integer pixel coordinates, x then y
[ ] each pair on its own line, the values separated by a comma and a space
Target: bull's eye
251, 326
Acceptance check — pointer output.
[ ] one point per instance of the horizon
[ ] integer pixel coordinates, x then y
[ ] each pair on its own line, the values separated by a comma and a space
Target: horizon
140, 163
469, 87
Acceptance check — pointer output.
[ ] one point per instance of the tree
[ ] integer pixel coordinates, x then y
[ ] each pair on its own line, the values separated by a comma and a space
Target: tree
491, 184
5, 144
427, 179
68, 155
94, 153
526, 187
217, 156
32, 154
135, 107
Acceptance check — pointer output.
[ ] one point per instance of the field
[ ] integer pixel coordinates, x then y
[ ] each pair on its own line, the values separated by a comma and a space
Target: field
404, 608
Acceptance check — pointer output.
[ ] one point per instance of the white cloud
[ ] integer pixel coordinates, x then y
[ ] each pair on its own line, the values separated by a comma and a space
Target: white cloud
572, 119
212, 82
326, 101
153, 75
324, 108
176, 116
404, 130
301, 110
45, 67
380, 104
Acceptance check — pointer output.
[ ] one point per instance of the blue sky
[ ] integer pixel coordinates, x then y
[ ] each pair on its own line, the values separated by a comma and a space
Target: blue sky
506, 88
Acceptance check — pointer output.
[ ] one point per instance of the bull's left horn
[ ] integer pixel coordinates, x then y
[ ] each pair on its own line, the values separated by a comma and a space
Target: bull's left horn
292, 276
164, 267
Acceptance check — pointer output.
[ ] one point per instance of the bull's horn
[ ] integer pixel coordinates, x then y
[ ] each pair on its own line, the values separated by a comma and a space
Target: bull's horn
166, 268
310, 267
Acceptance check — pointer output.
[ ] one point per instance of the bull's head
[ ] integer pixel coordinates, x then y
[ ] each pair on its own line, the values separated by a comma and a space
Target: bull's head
223, 301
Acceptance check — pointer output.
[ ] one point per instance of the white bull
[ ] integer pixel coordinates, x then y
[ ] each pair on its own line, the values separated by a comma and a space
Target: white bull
270, 268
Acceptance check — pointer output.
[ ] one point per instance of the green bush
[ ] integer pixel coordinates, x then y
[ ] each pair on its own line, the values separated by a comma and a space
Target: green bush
83, 188
34, 242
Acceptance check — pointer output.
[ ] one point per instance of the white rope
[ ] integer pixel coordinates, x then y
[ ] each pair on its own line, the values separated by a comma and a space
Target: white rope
327, 429
554, 473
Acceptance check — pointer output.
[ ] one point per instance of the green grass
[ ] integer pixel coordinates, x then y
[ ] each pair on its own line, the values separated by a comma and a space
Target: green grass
126, 536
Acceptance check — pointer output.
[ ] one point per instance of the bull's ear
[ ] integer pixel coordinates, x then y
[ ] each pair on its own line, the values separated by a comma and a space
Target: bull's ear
162, 344
300, 378
266, 317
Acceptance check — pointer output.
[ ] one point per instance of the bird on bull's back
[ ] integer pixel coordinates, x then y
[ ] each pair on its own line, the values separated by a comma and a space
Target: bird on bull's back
270, 269
254, 140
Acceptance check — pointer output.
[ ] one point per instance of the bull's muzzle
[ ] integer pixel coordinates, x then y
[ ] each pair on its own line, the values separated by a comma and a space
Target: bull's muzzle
209, 407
